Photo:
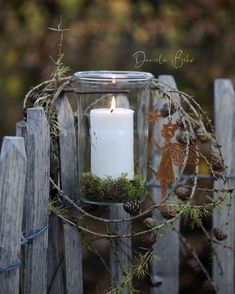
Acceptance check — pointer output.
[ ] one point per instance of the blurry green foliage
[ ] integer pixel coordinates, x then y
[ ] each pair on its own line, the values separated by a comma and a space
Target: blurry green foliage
104, 34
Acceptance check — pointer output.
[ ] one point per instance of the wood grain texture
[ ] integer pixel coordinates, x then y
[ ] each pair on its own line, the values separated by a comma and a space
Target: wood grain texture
69, 182
224, 107
21, 131
55, 273
55, 278
121, 250
165, 271
36, 200
13, 165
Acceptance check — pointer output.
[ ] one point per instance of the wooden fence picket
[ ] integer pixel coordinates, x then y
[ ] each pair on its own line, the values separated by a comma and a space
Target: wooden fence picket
55, 277
121, 250
224, 110
55, 272
21, 131
37, 139
13, 164
165, 270
70, 185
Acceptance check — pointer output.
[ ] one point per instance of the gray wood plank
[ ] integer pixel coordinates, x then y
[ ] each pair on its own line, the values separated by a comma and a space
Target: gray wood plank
69, 182
36, 200
121, 250
21, 131
224, 109
165, 271
13, 165
55, 276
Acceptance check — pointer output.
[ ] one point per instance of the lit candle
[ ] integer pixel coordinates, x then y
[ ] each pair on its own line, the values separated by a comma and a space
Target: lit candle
112, 145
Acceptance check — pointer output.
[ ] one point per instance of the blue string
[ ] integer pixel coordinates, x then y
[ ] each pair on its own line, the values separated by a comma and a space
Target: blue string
13, 266
25, 240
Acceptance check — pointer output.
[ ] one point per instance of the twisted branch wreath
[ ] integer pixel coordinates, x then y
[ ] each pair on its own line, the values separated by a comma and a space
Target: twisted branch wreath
195, 126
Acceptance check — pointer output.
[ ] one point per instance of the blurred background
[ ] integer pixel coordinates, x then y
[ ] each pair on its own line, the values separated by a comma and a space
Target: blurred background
104, 34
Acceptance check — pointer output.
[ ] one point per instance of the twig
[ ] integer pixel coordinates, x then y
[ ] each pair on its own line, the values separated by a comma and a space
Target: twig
191, 250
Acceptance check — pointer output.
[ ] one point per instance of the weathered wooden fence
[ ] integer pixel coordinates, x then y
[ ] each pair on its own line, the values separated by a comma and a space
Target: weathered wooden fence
35, 262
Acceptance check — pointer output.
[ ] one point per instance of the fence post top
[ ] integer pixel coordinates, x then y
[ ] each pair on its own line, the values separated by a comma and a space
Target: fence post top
10, 142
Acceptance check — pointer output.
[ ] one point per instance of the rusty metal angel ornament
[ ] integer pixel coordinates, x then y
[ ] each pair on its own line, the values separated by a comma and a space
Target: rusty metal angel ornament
172, 153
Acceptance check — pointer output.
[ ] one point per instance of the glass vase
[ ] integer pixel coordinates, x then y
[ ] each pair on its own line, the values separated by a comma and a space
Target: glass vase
112, 135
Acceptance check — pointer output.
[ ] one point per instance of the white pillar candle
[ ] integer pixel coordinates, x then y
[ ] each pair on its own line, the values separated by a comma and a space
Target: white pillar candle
112, 144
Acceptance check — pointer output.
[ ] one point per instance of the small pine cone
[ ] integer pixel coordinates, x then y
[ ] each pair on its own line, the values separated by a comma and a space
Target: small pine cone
164, 111
89, 207
217, 166
150, 223
209, 286
202, 135
217, 162
182, 138
219, 234
183, 192
150, 238
166, 212
132, 207
194, 265
179, 123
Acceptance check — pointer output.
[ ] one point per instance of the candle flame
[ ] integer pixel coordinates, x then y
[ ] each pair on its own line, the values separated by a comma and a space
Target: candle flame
113, 104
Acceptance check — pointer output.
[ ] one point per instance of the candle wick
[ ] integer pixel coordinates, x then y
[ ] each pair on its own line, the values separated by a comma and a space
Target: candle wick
111, 110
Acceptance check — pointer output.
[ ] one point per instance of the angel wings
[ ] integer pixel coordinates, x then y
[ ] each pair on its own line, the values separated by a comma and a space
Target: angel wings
178, 155
172, 154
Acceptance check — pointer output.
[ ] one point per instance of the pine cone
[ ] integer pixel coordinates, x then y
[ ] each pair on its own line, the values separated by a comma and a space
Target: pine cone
150, 223
182, 138
166, 212
150, 238
164, 111
179, 123
217, 162
209, 286
194, 265
219, 234
132, 207
217, 165
202, 135
89, 207
183, 192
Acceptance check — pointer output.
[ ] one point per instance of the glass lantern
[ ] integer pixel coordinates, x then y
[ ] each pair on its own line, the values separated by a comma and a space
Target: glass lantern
112, 135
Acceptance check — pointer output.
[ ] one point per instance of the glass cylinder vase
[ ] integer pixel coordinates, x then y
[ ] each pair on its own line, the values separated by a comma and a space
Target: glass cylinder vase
112, 135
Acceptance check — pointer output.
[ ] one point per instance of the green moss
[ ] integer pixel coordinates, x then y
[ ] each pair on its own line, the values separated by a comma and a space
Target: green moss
114, 190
